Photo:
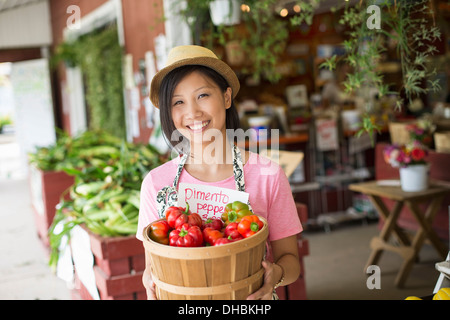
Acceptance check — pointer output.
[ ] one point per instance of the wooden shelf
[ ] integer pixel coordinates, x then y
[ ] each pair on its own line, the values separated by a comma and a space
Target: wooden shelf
300, 137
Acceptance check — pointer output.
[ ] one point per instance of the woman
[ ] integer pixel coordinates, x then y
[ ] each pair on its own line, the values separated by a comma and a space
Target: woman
195, 95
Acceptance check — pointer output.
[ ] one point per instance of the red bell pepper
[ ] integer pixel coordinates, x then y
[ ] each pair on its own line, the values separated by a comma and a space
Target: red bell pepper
216, 224
186, 236
159, 231
249, 225
211, 235
222, 241
232, 233
176, 216
234, 212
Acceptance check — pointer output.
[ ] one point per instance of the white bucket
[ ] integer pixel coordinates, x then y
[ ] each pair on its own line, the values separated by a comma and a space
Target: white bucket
351, 119
414, 178
226, 12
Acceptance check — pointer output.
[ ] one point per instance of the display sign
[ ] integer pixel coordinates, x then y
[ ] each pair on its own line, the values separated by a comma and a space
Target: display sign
208, 201
327, 134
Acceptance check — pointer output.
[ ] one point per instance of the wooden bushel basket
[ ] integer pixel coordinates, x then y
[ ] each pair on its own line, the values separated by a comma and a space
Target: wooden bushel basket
227, 272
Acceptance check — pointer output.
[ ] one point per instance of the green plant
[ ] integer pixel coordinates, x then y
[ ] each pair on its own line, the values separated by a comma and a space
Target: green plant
65, 52
408, 24
99, 56
5, 120
262, 39
105, 195
89, 149
74, 152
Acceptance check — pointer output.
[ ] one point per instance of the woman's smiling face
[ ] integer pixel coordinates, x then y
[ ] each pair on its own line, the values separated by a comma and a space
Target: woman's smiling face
198, 105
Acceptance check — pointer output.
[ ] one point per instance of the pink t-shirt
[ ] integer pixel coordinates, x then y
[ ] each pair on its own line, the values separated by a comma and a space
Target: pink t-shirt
269, 191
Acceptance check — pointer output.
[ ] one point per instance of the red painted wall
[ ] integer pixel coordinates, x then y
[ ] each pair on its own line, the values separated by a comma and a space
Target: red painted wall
59, 16
15, 55
142, 20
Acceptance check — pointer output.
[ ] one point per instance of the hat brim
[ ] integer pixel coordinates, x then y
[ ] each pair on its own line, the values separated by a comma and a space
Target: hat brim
216, 64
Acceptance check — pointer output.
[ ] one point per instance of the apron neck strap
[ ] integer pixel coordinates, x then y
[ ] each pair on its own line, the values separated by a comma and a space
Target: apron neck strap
168, 195
179, 169
238, 169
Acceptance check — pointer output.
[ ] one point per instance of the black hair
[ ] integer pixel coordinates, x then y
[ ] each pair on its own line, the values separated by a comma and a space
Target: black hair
166, 90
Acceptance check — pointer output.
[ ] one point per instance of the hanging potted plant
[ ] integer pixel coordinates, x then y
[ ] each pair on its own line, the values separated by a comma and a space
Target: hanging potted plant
225, 12
253, 44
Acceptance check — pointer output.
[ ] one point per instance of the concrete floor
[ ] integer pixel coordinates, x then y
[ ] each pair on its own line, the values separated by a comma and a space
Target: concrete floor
25, 274
333, 269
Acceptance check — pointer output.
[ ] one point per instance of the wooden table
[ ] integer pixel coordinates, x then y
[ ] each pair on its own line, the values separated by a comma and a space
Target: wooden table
407, 249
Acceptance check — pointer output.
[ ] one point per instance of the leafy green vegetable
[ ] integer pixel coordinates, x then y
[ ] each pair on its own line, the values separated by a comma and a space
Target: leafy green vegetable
105, 195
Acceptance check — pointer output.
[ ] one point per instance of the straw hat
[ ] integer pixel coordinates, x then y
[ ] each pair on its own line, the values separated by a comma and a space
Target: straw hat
192, 55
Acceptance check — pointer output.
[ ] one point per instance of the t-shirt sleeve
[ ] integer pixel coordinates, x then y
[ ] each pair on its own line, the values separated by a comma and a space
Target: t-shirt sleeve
147, 208
282, 217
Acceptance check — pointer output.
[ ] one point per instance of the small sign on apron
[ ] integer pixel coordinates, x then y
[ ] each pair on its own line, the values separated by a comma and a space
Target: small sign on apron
208, 201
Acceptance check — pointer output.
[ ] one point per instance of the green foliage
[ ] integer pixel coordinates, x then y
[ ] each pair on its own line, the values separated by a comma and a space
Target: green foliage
105, 194
306, 14
5, 120
266, 41
265, 36
405, 22
89, 149
100, 58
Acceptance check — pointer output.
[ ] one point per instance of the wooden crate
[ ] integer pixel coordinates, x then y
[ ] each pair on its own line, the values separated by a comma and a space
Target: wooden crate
297, 289
46, 188
118, 268
116, 288
117, 255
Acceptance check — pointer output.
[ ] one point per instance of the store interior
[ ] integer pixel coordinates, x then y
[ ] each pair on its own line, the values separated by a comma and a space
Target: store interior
334, 115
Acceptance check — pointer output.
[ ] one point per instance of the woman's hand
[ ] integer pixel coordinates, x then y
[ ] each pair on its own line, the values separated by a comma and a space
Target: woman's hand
266, 291
287, 266
149, 286
151, 293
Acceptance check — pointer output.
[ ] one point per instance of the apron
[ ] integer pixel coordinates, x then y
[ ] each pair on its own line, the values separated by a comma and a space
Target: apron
168, 196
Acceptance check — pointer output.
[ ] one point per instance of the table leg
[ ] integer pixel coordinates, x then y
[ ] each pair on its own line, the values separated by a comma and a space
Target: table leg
377, 243
383, 210
424, 231
425, 223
